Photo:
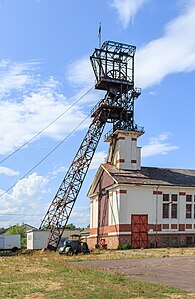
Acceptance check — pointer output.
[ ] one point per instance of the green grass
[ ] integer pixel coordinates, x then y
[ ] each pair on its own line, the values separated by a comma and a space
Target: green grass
98, 254
48, 275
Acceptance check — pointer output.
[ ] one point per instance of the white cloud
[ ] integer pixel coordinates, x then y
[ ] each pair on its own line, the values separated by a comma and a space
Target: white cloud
30, 187
80, 216
127, 9
28, 104
152, 93
26, 204
57, 169
80, 72
15, 76
98, 158
158, 146
25, 199
81, 76
172, 53
8, 171
21, 120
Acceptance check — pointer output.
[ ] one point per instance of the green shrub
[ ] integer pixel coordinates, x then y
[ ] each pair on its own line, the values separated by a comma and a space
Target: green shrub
125, 246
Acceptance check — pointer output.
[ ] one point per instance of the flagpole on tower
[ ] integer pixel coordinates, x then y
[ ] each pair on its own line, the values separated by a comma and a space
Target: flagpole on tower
99, 34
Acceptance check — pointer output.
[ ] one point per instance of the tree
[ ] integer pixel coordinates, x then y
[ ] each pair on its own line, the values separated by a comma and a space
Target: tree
18, 230
70, 226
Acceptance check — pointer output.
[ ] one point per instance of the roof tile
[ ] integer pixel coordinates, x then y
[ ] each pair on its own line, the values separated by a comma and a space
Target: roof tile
153, 176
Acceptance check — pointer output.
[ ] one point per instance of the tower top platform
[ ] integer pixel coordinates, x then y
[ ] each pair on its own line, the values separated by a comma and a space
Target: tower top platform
113, 65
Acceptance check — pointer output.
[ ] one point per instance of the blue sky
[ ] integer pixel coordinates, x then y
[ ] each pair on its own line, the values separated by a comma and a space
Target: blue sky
45, 68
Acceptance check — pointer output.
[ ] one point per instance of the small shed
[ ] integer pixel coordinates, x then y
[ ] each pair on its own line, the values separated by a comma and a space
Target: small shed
37, 239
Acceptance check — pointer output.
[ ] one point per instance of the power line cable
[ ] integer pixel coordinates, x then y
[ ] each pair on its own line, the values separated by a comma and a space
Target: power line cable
44, 158
30, 220
13, 214
46, 127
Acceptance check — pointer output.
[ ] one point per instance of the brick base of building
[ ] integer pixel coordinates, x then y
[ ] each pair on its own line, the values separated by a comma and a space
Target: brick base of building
159, 240
171, 240
112, 242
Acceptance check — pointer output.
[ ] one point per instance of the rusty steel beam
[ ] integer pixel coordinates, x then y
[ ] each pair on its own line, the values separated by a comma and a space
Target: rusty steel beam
60, 209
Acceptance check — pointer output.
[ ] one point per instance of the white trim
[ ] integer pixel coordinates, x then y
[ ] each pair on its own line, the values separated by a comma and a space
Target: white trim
108, 172
119, 233
149, 233
92, 236
160, 186
172, 232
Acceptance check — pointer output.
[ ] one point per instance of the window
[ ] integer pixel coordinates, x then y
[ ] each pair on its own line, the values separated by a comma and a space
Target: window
188, 198
188, 211
173, 205
189, 206
165, 210
194, 211
174, 210
169, 206
173, 197
165, 197
165, 206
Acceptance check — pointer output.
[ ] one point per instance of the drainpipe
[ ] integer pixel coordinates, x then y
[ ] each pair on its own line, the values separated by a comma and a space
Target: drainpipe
98, 228
156, 222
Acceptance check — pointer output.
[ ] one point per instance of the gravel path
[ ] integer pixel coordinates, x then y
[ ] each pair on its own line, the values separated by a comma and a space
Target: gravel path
175, 271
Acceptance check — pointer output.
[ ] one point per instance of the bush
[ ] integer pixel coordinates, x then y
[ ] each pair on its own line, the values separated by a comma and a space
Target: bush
125, 246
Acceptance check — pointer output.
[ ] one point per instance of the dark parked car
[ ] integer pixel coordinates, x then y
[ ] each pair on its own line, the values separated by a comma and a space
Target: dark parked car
73, 245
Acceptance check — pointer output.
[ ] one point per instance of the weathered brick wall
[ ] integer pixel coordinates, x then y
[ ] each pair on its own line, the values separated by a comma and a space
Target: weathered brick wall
113, 241
181, 240
92, 241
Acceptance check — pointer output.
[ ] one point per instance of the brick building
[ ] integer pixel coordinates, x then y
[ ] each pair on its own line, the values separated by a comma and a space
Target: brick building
141, 206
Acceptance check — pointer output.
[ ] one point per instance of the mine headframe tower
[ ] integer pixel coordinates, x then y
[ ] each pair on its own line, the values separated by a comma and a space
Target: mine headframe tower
113, 65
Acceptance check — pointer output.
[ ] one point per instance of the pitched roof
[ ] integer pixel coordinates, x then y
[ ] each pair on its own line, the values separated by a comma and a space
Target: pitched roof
152, 176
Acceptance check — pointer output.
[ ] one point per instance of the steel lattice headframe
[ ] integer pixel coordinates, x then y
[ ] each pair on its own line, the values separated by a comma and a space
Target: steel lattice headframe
113, 65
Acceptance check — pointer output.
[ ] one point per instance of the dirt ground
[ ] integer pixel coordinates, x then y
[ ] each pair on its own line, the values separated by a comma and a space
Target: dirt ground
175, 271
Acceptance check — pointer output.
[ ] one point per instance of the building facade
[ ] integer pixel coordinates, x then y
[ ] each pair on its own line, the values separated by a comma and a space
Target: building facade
141, 206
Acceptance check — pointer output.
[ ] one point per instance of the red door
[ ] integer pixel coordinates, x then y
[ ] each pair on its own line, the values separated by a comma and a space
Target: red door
139, 231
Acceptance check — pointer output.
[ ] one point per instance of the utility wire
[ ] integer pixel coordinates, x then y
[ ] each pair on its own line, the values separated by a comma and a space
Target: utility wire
36, 215
46, 127
29, 220
44, 158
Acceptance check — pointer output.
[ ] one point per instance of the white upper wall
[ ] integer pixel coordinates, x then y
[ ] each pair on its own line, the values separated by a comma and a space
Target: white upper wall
128, 200
124, 153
